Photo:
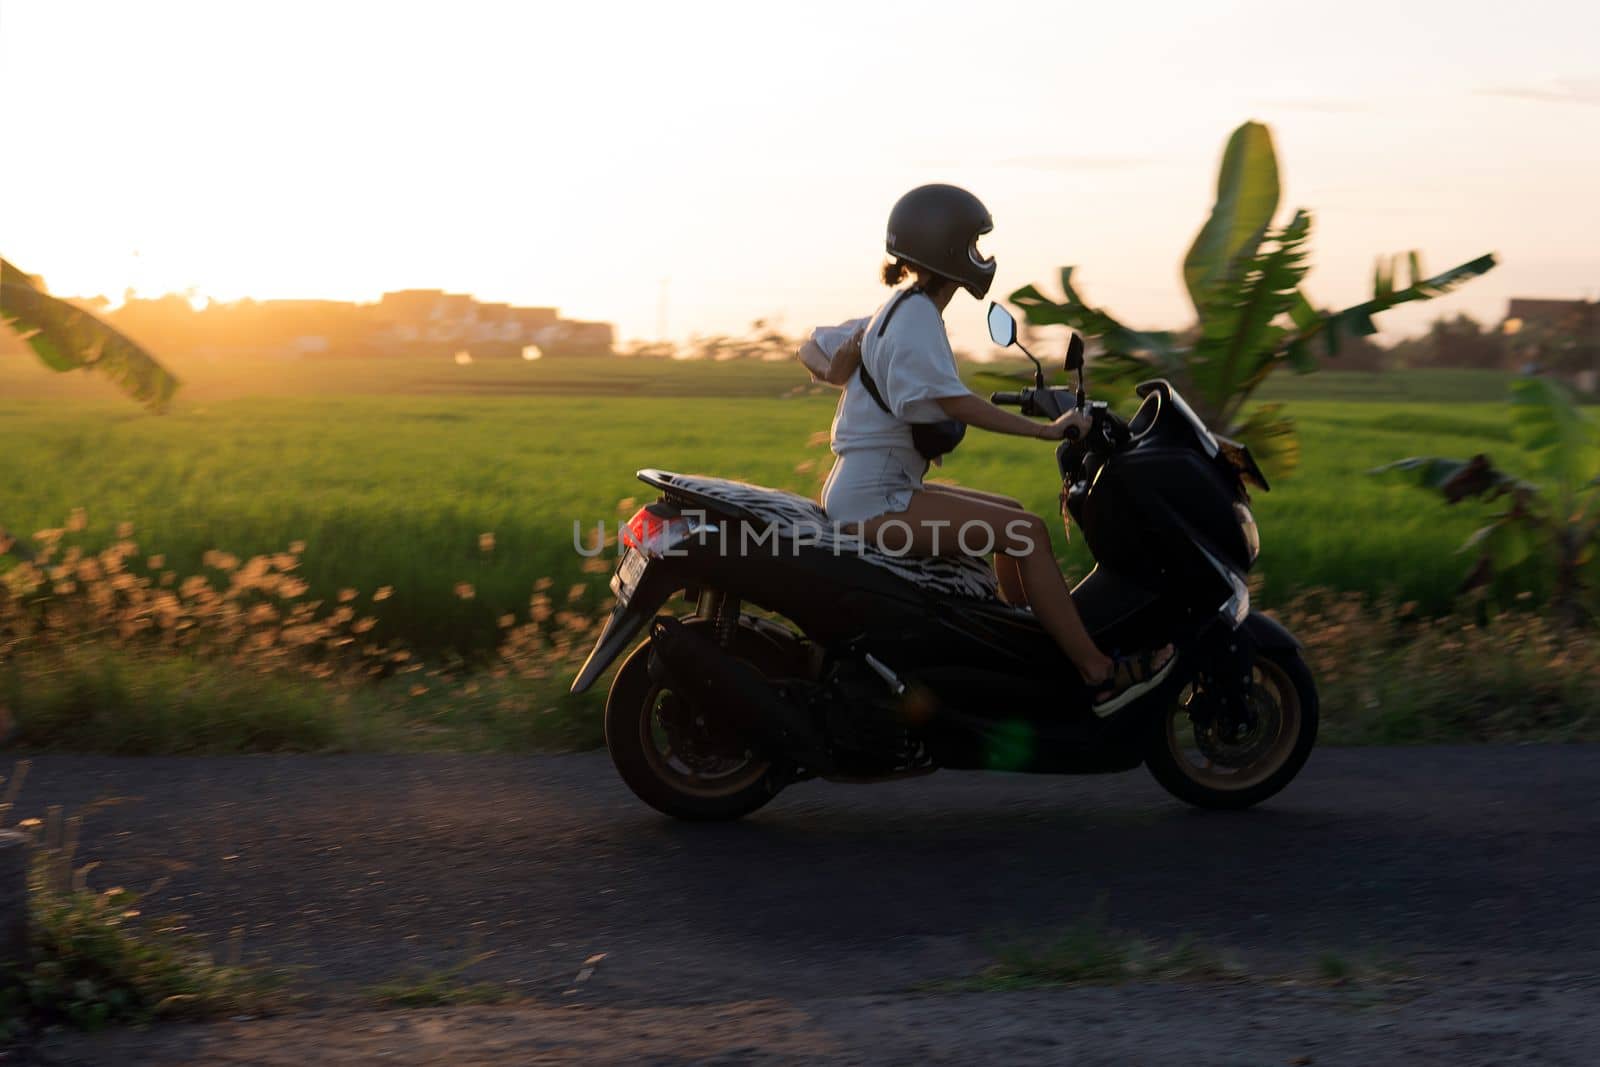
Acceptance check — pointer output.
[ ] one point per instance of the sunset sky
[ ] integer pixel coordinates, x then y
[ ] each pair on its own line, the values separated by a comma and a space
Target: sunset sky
578, 154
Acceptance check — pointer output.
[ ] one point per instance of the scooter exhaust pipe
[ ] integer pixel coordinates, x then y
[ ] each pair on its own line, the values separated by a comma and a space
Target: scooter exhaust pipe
712, 680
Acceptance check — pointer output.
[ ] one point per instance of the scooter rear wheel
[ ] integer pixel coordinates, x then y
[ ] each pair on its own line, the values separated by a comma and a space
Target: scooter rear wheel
1254, 760
672, 756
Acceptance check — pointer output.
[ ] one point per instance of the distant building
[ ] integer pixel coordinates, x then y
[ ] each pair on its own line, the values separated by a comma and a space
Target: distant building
407, 321
433, 315
1577, 320
1558, 335
427, 315
563, 338
531, 320
1576, 315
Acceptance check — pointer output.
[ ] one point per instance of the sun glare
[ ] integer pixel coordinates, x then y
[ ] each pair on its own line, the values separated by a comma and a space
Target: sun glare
691, 154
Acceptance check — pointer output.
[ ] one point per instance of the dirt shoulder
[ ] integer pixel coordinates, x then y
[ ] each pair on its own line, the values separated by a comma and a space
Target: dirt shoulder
1546, 1021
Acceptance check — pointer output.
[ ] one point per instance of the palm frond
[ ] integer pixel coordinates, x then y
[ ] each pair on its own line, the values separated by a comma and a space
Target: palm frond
66, 338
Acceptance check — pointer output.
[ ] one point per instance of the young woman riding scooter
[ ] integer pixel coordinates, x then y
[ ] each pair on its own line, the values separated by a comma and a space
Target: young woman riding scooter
904, 404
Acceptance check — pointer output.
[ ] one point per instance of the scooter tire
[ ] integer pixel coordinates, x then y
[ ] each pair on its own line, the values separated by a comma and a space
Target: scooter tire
629, 708
1291, 675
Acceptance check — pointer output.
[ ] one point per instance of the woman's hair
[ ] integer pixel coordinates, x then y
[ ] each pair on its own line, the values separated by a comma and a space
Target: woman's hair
896, 271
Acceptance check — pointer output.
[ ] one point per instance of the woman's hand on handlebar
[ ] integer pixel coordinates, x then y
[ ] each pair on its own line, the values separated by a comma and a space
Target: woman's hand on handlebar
1074, 424
974, 411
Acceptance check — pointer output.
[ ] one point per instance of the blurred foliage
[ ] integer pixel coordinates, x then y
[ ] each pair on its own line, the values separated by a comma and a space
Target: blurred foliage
115, 651
1454, 341
65, 337
1244, 276
1389, 674
1549, 524
1090, 951
96, 960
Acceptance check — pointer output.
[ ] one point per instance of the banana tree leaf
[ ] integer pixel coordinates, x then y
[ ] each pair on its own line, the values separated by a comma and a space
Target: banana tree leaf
1239, 343
1272, 440
988, 381
1117, 367
66, 338
1094, 323
1507, 544
1356, 320
1297, 353
1303, 312
1456, 479
1382, 281
1560, 436
1247, 197
1442, 283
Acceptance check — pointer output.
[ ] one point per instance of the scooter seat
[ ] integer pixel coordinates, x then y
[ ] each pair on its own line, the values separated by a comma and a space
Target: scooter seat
792, 516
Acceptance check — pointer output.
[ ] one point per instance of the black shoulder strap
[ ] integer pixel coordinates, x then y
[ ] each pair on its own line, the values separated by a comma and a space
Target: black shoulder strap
872, 389
899, 298
866, 379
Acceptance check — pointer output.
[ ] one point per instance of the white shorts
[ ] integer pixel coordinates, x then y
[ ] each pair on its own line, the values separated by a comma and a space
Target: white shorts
867, 482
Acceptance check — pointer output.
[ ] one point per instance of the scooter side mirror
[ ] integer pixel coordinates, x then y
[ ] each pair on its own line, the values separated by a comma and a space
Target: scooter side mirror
1075, 353
1003, 332
1002, 327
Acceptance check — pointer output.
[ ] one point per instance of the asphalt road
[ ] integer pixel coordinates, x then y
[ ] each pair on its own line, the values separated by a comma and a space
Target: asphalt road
354, 869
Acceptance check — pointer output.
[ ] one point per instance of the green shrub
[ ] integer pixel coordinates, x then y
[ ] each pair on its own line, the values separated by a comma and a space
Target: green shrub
95, 960
1390, 675
94, 698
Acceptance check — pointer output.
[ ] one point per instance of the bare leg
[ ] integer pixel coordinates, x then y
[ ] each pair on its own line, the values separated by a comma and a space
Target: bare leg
1006, 569
1009, 575
973, 494
935, 519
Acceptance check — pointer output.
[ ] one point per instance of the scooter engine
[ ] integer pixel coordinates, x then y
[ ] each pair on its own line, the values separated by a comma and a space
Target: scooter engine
865, 728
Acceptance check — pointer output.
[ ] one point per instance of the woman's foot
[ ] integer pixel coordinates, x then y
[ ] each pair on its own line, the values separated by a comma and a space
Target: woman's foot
1127, 678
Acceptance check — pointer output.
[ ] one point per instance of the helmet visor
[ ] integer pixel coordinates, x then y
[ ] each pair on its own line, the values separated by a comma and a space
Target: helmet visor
975, 254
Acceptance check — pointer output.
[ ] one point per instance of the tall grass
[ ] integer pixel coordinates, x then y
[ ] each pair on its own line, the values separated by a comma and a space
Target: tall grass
1389, 675
397, 491
95, 959
381, 555
115, 651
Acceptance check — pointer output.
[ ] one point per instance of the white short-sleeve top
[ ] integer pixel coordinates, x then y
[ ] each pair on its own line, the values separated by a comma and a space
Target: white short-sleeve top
911, 362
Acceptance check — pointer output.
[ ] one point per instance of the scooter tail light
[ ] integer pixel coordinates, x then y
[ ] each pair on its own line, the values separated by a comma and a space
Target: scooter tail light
656, 535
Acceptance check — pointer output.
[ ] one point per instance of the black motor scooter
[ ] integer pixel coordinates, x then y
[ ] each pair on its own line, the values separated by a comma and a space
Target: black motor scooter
811, 654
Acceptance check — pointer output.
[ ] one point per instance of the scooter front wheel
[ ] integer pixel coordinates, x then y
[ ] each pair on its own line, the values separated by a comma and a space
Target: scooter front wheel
680, 759
1236, 761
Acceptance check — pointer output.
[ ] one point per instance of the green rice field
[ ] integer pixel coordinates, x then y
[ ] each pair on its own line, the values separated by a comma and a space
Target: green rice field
390, 471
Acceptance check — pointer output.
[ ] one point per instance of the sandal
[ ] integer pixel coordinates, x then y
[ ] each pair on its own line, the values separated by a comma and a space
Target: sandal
1131, 678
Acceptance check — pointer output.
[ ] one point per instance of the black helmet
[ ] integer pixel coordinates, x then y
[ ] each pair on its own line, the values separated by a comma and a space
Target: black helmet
937, 227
